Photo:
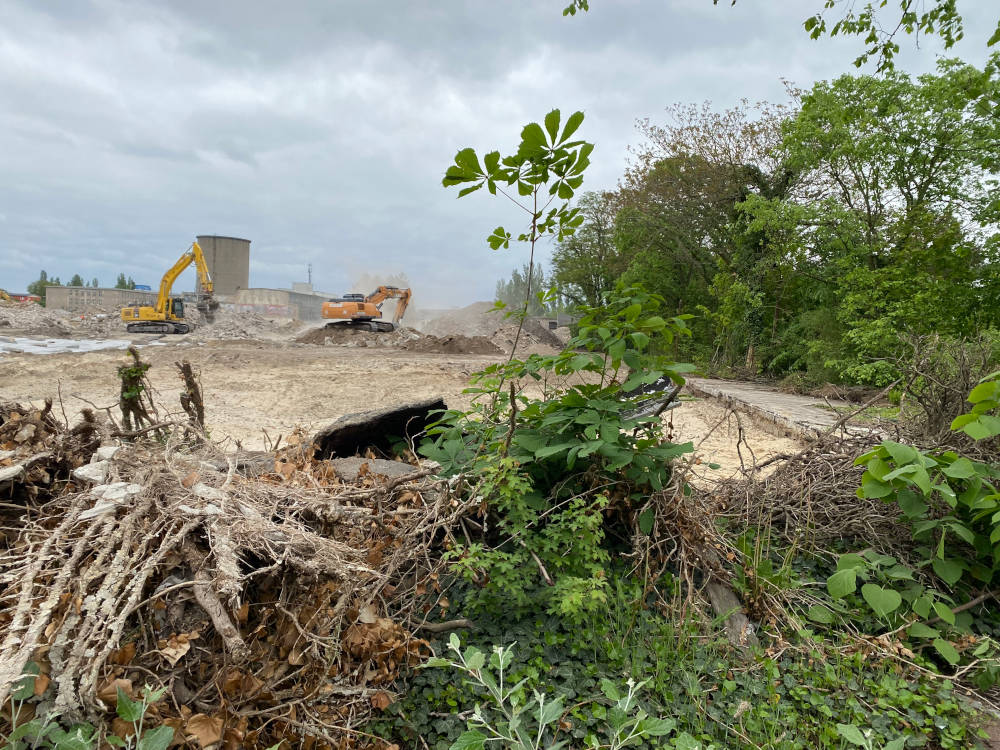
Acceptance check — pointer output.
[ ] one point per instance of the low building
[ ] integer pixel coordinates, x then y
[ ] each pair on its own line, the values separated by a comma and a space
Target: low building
86, 299
278, 303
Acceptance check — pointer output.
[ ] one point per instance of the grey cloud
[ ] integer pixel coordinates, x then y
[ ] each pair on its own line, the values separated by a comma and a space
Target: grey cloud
320, 130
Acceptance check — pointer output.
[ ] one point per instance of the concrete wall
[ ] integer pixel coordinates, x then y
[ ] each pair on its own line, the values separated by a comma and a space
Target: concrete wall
272, 302
88, 299
228, 260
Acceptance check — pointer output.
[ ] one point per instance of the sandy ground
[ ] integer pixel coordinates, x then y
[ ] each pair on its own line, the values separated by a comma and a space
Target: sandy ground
256, 390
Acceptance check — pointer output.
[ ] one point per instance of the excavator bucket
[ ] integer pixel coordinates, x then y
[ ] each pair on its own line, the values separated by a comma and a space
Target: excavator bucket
207, 307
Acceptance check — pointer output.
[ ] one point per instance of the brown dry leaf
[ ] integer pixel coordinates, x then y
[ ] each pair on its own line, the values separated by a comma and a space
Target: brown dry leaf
367, 615
205, 730
122, 728
123, 656
178, 726
190, 480
243, 613
381, 700
108, 692
41, 683
174, 648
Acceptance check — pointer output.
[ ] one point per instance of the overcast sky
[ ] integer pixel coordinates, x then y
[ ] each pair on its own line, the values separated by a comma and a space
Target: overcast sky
320, 129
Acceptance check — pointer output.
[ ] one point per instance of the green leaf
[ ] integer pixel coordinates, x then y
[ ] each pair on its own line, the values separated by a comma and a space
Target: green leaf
127, 709
949, 571
960, 468
897, 744
910, 503
920, 630
873, 488
852, 734
820, 614
653, 727
470, 740
944, 612
549, 712
882, 601
572, 124
646, 521
842, 583
474, 658
610, 690
946, 650
532, 139
156, 739
552, 125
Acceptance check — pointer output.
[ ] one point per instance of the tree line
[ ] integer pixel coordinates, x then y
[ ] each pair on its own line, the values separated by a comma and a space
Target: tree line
812, 236
39, 285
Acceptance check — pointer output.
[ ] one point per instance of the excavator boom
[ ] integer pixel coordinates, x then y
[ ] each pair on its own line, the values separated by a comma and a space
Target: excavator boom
167, 315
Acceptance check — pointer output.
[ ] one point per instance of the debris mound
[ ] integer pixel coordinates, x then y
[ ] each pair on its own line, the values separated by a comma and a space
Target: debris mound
228, 324
404, 338
275, 606
482, 319
33, 319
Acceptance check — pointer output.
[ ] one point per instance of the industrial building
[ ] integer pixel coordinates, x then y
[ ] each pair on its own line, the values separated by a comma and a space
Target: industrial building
85, 299
228, 260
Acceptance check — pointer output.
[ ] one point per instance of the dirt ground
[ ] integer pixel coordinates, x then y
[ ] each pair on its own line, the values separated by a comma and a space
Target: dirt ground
256, 390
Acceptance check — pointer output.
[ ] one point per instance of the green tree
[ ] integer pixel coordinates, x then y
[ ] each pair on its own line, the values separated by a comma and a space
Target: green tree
121, 282
130, 284
77, 280
586, 264
41, 284
902, 218
94, 283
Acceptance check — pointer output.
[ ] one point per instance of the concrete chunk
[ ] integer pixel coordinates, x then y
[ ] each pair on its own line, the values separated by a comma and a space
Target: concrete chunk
353, 433
96, 472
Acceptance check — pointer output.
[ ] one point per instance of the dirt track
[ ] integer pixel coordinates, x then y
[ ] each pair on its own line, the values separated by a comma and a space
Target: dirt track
253, 387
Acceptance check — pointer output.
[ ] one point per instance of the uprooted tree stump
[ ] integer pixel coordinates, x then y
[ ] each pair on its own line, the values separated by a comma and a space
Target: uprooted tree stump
134, 399
274, 608
191, 398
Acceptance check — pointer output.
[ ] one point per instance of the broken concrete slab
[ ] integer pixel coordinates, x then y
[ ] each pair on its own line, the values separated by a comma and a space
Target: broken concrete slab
96, 472
378, 429
349, 469
105, 453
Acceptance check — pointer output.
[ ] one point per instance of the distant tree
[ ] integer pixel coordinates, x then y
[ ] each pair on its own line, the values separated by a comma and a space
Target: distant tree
39, 286
130, 284
513, 291
121, 282
77, 280
94, 283
586, 264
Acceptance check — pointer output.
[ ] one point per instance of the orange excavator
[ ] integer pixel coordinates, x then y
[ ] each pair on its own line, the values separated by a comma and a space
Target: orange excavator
359, 311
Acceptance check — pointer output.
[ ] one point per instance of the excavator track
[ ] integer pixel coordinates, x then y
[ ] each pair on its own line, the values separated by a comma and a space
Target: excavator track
154, 326
378, 326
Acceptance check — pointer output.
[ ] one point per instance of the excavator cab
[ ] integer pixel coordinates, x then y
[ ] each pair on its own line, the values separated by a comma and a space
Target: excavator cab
167, 315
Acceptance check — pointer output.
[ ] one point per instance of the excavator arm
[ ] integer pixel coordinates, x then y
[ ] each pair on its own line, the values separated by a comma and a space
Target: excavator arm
196, 256
383, 293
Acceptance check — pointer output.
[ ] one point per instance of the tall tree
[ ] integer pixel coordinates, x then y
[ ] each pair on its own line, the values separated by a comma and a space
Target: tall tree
586, 264
121, 282
77, 280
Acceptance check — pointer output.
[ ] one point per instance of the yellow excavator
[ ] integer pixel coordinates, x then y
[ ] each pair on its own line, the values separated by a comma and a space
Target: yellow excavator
167, 316
359, 311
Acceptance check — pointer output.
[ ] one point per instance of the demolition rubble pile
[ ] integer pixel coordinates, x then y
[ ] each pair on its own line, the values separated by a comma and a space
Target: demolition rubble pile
274, 596
407, 339
33, 319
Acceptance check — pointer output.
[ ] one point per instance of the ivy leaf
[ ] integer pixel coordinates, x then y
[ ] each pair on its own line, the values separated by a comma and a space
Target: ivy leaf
946, 650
